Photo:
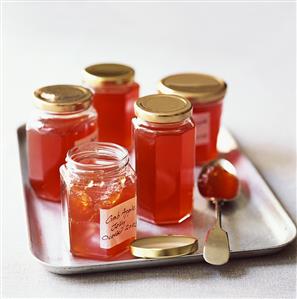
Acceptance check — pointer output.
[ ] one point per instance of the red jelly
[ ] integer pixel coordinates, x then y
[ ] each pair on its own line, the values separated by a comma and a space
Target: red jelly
218, 180
114, 95
99, 200
64, 119
164, 135
206, 94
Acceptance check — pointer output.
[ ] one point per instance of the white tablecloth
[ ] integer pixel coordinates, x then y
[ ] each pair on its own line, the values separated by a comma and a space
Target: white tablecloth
251, 45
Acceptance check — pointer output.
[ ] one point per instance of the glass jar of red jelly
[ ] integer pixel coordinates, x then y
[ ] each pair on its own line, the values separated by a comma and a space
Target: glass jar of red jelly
65, 118
206, 94
99, 200
164, 136
114, 95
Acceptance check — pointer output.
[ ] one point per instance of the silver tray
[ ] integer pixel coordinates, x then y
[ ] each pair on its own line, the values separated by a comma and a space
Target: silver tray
256, 222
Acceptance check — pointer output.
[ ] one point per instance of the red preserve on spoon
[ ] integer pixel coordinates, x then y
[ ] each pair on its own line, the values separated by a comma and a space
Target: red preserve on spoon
219, 181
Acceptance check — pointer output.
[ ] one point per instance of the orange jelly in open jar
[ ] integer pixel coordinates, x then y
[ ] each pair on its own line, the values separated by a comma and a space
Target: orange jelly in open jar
115, 92
164, 136
65, 118
206, 94
99, 200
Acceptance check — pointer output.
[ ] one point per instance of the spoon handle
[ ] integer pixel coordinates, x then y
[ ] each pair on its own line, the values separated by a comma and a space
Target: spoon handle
218, 213
216, 250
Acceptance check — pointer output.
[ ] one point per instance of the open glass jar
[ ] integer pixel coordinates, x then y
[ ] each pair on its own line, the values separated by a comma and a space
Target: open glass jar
115, 92
99, 200
206, 94
64, 118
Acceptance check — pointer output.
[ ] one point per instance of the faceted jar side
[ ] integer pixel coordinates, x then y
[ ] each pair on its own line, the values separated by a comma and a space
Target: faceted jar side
114, 105
165, 159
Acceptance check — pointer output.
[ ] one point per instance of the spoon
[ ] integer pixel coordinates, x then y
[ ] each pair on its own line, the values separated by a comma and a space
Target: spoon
218, 182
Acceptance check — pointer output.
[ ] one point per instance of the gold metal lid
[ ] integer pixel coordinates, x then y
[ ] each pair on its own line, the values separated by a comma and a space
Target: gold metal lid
199, 88
163, 246
63, 98
161, 108
107, 73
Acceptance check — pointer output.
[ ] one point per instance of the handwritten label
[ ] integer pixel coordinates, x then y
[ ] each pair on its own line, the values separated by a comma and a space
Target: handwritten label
89, 138
202, 121
118, 224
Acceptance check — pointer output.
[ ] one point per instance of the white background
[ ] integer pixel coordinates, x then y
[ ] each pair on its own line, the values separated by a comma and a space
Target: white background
251, 45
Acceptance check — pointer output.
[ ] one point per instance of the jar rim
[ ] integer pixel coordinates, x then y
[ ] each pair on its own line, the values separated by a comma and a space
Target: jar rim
107, 157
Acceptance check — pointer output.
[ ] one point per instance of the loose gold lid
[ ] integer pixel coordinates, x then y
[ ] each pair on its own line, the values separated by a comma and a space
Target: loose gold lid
99, 74
63, 98
163, 246
200, 88
161, 108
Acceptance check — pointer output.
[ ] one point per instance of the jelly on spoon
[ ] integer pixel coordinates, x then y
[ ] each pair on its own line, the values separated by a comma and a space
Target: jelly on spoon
218, 182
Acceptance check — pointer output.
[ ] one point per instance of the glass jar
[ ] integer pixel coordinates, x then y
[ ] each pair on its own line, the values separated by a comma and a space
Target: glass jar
99, 200
164, 136
206, 94
64, 119
114, 95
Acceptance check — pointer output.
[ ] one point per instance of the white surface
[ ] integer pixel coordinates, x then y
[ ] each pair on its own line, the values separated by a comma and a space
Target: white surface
252, 46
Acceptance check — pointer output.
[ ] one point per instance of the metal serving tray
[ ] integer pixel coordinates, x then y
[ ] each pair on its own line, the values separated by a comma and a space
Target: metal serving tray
256, 222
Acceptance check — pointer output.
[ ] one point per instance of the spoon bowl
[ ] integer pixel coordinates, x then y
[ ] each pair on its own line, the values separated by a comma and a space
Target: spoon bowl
218, 180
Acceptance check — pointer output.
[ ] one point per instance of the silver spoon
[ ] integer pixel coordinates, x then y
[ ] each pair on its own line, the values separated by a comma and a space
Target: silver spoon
218, 182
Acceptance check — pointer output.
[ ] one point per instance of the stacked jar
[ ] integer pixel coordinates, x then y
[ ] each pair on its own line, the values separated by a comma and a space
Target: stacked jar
206, 94
64, 118
164, 135
115, 92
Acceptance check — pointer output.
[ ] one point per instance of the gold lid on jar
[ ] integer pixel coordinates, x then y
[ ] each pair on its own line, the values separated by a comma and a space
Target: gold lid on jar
161, 108
107, 73
63, 98
198, 88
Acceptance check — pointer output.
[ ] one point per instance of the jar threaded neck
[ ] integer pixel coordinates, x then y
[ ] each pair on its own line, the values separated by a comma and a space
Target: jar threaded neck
102, 157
